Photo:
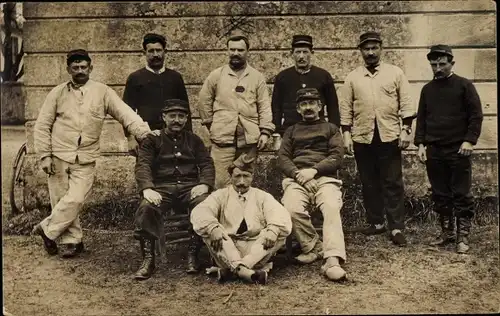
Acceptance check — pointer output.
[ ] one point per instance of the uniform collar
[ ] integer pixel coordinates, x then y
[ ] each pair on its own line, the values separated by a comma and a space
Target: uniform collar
162, 70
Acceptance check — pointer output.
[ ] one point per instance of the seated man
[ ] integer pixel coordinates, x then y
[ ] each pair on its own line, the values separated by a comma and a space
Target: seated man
173, 169
242, 226
310, 154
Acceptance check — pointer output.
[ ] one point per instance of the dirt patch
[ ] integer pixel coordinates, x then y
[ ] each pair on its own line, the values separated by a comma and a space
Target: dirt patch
382, 279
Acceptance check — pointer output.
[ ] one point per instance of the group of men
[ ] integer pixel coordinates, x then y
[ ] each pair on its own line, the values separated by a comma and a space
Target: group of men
243, 226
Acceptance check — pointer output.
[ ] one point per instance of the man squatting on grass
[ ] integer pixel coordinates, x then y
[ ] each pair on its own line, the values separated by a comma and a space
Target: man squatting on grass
449, 123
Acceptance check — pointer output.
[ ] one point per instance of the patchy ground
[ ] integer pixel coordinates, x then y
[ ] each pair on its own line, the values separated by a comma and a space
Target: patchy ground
382, 279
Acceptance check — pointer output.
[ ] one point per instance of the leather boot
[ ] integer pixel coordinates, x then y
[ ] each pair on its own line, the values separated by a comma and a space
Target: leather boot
463, 230
195, 244
447, 234
148, 264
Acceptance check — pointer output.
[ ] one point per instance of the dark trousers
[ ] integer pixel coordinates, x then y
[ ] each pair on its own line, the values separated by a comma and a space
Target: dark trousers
450, 176
149, 217
380, 171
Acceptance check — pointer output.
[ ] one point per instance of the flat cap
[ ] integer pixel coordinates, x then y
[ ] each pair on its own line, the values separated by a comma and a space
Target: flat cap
245, 162
175, 104
438, 50
302, 40
369, 36
308, 94
154, 38
77, 54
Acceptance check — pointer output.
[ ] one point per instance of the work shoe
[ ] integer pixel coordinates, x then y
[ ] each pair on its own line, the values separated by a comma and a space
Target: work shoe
49, 245
463, 246
311, 256
332, 270
193, 266
260, 277
398, 239
447, 234
373, 230
463, 230
147, 267
71, 250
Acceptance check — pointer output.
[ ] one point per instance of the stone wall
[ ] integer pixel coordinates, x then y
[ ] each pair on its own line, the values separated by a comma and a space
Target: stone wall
112, 32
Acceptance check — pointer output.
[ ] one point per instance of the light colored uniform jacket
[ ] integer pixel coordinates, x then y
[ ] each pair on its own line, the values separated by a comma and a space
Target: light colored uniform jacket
223, 106
224, 209
70, 121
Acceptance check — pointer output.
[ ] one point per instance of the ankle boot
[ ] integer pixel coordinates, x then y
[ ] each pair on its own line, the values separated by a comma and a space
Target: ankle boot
463, 230
447, 234
148, 264
194, 247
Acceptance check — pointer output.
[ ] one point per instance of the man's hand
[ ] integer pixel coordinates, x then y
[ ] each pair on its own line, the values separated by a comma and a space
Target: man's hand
466, 149
156, 132
152, 196
216, 238
132, 146
270, 239
305, 175
348, 144
199, 190
404, 139
261, 144
311, 186
422, 155
48, 166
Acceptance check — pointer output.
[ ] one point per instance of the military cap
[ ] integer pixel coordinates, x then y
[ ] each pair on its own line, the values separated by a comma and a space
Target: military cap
369, 36
440, 49
175, 104
154, 38
77, 54
302, 40
245, 162
308, 94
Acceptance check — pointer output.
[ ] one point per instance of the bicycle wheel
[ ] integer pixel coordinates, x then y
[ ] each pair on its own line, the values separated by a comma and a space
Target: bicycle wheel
17, 182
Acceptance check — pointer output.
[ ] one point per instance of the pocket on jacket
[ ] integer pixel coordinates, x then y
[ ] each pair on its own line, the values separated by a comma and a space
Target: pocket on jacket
389, 88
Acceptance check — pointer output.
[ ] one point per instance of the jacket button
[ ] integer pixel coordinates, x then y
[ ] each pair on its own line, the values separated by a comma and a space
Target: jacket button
179, 181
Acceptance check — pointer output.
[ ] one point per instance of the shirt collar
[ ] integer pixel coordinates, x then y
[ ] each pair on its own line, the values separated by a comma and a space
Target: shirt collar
451, 73
72, 85
245, 195
368, 73
245, 72
162, 70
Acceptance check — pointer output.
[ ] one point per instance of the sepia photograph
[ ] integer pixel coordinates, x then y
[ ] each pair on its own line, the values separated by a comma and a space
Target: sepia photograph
249, 158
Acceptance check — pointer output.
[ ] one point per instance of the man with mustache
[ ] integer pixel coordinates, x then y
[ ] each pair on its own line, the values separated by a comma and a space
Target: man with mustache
67, 136
147, 88
236, 109
309, 157
242, 226
302, 75
173, 170
449, 123
376, 113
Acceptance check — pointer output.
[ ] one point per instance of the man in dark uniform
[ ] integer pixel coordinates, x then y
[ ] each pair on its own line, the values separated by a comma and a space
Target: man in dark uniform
173, 169
449, 123
302, 75
147, 88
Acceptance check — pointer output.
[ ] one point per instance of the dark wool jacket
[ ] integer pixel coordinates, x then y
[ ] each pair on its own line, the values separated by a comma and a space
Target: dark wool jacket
449, 113
317, 145
166, 159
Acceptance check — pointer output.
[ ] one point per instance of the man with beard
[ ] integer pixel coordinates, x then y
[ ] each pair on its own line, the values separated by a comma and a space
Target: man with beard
236, 108
448, 125
173, 169
302, 75
374, 99
147, 88
67, 135
310, 155
242, 226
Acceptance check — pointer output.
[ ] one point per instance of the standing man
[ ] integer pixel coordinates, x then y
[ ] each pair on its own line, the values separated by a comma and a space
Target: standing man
67, 135
236, 108
242, 226
374, 99
310, 155
147, 88
174, 169
448, 125
302, 75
